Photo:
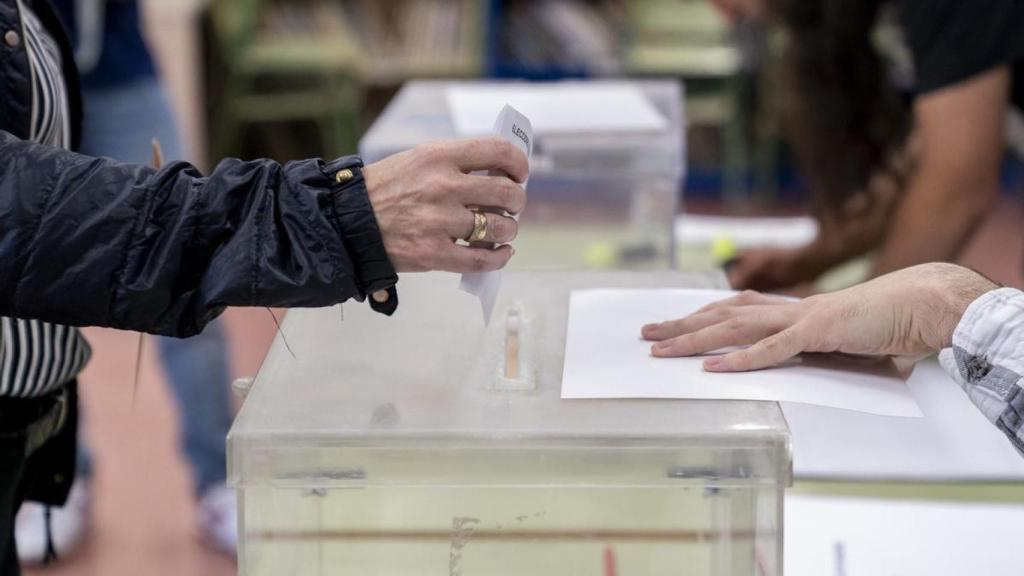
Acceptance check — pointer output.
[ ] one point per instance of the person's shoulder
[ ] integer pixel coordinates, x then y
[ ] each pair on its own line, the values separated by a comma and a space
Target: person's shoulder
952, 40
939, 18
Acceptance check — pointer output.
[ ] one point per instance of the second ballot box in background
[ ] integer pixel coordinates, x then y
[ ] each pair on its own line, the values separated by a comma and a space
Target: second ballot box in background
607, 169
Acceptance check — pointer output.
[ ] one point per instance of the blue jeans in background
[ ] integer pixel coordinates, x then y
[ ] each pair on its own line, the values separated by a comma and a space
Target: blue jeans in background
120, 123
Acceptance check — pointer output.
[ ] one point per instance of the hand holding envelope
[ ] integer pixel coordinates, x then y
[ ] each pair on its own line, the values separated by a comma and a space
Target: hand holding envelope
515, 128
422, 200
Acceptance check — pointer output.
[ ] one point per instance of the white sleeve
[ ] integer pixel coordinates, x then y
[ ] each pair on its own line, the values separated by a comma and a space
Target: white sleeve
987, 359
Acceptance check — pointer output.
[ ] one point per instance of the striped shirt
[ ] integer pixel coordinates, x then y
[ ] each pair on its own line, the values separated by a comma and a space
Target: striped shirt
37, 358
51, 119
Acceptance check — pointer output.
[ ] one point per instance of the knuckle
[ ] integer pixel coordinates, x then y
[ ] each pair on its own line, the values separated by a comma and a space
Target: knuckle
696, 343
513, 230
772, 343
686, 344
430, 222
523, 159
491, 147
785, 340
516, 199
427, 152
749, 295
507, 194
787, 337
674, 346
734, 324
814, 300
502, 147
684, 325
497, 193
425, 188
438, 185
720, 314
742, 361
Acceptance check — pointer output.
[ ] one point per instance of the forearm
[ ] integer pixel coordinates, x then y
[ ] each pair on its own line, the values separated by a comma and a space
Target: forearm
87, 241
987, 359
956, 178
934, 221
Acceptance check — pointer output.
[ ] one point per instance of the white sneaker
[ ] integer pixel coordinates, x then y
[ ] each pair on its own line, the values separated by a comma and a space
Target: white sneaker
68, 525
218, 519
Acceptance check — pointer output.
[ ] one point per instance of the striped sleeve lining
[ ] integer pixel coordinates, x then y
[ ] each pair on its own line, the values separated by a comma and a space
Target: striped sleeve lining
37, 357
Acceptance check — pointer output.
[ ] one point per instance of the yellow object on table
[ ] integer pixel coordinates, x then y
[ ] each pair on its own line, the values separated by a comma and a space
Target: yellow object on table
723, 249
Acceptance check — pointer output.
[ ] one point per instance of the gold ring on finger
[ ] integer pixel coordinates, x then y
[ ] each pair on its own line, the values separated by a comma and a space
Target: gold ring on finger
479, 227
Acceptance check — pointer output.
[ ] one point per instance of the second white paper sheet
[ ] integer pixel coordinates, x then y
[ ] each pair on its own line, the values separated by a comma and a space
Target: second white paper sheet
556, 107
606, 358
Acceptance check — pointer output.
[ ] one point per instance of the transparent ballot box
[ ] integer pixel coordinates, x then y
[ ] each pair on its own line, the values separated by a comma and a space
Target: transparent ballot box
602, 197
426, 444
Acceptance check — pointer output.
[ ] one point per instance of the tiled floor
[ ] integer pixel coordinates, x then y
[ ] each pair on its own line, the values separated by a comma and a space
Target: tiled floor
144, 512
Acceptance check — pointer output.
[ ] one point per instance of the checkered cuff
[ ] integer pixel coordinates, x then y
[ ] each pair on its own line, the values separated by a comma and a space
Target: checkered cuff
987, 359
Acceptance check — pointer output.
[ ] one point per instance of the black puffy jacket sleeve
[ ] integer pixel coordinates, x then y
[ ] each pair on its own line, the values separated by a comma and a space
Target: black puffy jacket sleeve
88, 241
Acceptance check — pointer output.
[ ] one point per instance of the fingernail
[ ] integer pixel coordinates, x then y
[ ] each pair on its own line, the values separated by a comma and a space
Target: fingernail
513, 250
715, 364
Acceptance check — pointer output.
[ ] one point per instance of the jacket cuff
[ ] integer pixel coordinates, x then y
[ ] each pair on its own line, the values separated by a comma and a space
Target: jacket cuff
357, 224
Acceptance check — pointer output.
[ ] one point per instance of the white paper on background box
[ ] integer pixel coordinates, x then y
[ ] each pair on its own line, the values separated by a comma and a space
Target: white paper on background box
698, 229
556, 107
830, 536
517, 129
605, 357
954, 442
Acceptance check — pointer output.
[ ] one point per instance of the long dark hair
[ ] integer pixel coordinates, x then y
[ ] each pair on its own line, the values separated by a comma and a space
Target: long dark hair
842, 114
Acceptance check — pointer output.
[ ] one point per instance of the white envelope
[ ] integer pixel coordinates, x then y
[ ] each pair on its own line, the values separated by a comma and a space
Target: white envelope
516, 128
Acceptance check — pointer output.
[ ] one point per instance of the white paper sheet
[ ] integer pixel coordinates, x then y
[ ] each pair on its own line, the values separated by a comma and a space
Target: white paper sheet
828, 536
517, 129
606, 358
953, 442
558, 107
697, 229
